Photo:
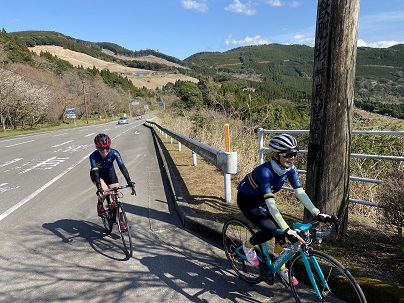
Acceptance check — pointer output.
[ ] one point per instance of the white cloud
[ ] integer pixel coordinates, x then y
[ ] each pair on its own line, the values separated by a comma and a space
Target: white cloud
276, 3
279, 3
199, 6
302, 39
241, 8
294, 4
378, 44
257, 40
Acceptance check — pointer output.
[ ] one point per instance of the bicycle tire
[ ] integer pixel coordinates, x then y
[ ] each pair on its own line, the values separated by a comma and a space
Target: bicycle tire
107, 221
234, 232
125, 234
343, 286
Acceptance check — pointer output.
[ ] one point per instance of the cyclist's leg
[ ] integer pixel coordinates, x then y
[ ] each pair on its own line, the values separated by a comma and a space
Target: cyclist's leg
250, 207
112, 181
100, 207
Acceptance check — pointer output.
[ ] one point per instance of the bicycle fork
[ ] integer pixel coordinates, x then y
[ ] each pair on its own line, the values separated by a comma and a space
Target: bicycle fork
311, 275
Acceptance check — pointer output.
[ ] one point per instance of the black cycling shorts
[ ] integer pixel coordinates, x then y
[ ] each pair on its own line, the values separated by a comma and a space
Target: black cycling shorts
109, 177
250, 207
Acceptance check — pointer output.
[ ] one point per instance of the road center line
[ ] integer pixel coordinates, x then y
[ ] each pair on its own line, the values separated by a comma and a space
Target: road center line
62, 143
20, 143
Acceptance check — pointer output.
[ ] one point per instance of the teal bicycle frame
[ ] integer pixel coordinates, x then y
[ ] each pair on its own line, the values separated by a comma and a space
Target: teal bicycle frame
288, 252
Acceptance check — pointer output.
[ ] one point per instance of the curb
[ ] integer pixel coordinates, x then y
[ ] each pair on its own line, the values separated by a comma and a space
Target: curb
189, 218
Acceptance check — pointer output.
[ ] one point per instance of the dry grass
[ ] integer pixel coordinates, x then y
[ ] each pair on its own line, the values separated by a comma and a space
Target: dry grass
151, 81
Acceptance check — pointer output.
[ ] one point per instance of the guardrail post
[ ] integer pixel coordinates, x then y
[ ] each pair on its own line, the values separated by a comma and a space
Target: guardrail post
171, 140
194, 158
227, 188
179, 146
260, 145
227, 177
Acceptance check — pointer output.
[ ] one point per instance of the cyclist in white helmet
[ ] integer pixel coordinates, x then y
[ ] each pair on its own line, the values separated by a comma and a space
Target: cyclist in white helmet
259, 187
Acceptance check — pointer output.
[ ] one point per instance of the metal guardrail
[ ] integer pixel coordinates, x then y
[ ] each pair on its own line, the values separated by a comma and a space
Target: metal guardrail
262, 131
225, 161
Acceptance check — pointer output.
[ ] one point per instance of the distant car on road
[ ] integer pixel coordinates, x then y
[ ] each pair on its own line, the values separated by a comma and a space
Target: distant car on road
138, 117
123, 120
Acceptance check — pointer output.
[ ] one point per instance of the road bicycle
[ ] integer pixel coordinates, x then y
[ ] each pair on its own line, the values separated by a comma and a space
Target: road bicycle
115, 213
320, 277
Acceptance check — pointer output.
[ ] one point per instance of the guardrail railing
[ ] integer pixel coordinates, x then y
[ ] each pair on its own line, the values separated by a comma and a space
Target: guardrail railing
262, 149
225, 161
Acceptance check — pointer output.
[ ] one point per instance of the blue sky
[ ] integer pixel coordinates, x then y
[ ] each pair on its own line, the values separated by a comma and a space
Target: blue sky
181, 28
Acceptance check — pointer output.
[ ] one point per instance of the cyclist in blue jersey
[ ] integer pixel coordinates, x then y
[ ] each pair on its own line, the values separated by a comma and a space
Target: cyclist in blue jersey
259, 187
102, 171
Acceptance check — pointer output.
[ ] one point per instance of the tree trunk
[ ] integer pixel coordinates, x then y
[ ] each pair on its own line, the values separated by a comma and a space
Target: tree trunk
328, 166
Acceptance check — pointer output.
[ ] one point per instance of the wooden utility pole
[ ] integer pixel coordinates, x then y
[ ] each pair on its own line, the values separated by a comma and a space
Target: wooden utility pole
329, 150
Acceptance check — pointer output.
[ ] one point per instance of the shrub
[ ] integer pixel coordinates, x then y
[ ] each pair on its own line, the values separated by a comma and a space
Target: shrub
391, 197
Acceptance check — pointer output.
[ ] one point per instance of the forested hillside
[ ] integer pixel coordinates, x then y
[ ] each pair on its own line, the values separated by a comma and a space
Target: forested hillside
285, 71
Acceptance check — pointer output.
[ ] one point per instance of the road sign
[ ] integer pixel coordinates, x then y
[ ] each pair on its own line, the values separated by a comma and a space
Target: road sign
71, 113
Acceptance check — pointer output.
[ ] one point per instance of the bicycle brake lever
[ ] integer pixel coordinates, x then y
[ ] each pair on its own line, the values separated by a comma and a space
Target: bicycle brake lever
133, 192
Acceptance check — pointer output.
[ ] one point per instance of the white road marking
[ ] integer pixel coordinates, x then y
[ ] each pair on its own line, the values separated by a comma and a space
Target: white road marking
89, 135
4, 188
47, 164
20, 143
11, 162
22, 202
62, 143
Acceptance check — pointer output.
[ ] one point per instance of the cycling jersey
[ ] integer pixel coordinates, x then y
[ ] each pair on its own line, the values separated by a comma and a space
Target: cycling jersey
104, 167
106, 164
264, 182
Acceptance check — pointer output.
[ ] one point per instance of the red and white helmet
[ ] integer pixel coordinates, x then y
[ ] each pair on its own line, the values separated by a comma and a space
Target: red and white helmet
102, 141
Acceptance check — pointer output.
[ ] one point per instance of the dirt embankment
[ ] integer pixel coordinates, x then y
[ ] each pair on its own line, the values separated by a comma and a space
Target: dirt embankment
139, 77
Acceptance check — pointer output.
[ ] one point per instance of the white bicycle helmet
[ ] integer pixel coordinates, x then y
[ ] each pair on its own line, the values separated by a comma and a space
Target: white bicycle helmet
283, 143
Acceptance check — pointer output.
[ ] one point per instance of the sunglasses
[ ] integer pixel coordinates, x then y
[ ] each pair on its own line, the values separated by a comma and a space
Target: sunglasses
102, 149
288, 155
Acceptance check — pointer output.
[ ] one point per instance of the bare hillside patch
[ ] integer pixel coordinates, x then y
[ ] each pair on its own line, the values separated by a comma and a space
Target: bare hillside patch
148, 58
151, 81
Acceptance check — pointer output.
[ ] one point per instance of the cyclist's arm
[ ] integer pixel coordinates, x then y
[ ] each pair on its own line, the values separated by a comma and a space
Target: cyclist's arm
274, 211
304, 198
125, 173
95, 174
300, 193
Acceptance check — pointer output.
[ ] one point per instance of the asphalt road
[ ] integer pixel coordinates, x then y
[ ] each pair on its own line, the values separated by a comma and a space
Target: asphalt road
53, 247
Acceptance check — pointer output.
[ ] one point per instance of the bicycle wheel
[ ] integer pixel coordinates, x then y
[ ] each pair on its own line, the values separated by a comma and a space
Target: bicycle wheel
107, 221
234, 233
125, 234
342, 286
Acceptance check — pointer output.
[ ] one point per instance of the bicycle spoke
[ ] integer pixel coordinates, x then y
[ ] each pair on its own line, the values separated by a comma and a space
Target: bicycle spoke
234, 233
125, 234
333, 281
106, 220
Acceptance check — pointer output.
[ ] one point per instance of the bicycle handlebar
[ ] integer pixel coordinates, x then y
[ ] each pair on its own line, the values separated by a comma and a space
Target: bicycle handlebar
114, 190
